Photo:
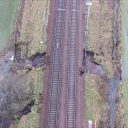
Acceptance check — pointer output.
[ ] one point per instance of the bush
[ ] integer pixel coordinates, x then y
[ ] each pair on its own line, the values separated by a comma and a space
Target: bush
16, 92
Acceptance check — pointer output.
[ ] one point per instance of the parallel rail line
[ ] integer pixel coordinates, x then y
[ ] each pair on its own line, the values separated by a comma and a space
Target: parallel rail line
72, 67
56, 82
56, 76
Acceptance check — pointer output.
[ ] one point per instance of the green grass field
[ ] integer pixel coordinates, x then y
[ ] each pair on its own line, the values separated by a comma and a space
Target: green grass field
8, 9
124, 59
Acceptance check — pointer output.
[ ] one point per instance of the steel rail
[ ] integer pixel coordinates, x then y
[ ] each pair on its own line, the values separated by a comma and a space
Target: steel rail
72, 67
56, 82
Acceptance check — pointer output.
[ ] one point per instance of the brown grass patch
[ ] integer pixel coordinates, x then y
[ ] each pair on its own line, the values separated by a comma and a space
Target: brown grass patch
100, 39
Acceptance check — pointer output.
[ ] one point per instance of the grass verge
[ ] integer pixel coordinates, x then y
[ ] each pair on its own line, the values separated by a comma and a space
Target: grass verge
8, 10
35, 12
124, 58
92, 98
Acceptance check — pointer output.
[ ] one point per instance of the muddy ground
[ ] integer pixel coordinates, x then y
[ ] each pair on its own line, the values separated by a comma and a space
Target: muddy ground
103, 64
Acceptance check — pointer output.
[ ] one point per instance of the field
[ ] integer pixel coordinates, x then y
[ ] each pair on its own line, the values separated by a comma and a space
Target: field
8, 9
124, 59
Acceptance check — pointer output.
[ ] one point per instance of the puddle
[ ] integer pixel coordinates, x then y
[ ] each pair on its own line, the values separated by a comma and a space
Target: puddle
113, 86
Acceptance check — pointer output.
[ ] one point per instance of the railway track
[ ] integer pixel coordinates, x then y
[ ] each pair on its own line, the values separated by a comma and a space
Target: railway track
56, 82
72, 67
54, 92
